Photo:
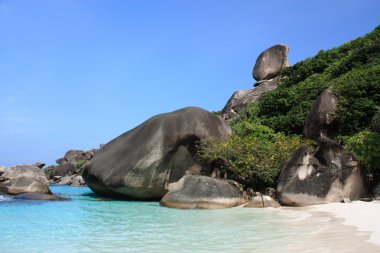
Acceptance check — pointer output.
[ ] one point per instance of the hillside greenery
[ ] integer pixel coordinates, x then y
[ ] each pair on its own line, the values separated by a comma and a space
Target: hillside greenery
268, 131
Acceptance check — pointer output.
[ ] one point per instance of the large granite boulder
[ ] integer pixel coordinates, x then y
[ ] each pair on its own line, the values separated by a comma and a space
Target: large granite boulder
326, 175
23, 179
143, 161
270, 62
243, 97
202, 192
320, 118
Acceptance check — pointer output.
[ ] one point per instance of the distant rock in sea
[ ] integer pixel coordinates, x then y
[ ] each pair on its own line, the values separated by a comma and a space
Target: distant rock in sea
23, 179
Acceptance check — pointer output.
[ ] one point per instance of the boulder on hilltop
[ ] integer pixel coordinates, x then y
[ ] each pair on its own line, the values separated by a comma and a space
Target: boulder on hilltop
270, 62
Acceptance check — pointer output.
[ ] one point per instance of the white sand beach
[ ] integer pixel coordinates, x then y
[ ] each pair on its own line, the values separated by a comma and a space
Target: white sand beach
362, 215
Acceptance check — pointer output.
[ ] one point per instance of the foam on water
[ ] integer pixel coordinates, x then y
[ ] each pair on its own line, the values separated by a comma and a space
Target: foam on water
89, 223
5, 198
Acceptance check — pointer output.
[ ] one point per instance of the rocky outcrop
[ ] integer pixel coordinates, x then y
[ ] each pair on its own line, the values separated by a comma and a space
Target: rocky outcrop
270, 62
73, 180
69, 168
76, 155
244, 97
320, 118
202, 192
327, 174
262, 201
142, 162
266, 70
23, 179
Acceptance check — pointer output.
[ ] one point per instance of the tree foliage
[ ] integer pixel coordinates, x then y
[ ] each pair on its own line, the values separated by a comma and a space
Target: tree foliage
256, 152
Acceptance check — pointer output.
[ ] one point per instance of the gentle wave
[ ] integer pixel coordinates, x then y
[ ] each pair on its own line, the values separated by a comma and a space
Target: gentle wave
5, 198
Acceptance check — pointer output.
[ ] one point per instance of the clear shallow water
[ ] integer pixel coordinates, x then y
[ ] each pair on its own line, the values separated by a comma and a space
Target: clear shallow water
89, 223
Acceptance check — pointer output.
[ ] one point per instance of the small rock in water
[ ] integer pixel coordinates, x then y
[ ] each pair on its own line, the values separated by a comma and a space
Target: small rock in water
346, 200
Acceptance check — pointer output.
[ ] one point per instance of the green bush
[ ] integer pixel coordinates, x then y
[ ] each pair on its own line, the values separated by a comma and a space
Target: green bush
257, 153
366, 146
351, 69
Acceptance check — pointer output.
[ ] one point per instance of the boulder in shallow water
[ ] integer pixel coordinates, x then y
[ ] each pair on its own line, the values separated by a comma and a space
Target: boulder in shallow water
202, 192
40, 196
142, 162
270, 62
24, 179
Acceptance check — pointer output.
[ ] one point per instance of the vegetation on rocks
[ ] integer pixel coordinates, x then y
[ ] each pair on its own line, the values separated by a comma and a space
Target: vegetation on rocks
268, 131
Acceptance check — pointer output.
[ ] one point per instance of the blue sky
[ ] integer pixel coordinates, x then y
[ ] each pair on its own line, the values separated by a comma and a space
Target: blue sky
77, 73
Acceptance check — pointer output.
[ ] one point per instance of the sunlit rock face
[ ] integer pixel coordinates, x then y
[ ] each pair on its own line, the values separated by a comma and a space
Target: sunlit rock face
142, 162
270, 62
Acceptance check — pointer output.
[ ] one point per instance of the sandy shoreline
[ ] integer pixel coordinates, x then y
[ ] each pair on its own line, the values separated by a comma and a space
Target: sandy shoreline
362, 215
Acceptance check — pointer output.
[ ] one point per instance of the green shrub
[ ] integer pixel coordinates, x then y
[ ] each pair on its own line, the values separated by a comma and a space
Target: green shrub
366, 146
256, 153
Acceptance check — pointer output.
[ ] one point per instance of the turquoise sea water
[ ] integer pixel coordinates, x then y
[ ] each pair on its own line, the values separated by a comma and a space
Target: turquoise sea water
89, 223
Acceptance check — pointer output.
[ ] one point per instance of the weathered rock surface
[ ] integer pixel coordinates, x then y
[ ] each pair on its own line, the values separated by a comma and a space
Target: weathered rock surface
40, 164
202, 192
270, 62
65, 169
320, 118
143, 161
262, 201
40, 196
73, 180
23, 179
327, 175
243, 97
376, 192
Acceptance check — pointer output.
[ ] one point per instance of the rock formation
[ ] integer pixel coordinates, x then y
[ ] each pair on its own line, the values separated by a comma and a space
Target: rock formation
262, 201
242, 98
23, 179
327, 174
270, 62
266, 70
320, 118
202, 192
142, 162
69, 169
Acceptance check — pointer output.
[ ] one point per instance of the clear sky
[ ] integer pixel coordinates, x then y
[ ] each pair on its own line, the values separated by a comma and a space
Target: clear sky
77, 73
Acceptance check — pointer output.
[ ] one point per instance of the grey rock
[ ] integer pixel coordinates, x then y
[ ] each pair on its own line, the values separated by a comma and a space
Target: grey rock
63, 170
40, 196
319, 119
262, 201
322, 176
244, 97
270, 62
202, 192
143, 161
77, 181
2, 169
376, 191
66, 180
75, 155
39, 164
346, 200
61, 160
24, 179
